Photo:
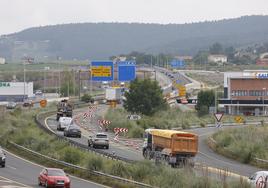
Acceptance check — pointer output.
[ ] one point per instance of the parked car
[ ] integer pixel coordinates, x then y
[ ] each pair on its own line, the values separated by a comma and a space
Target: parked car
27, 103
99, 140
259, 179
53, 177
72, 130
2, 158
64, 122
38, 92
11, 105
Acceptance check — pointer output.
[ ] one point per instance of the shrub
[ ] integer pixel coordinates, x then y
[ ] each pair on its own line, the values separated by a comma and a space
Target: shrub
87, 98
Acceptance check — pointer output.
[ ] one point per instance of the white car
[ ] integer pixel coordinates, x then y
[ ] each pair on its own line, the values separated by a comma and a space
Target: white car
64, 122
259, 179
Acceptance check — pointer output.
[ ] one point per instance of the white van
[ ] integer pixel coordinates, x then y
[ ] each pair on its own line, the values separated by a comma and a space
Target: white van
259, 179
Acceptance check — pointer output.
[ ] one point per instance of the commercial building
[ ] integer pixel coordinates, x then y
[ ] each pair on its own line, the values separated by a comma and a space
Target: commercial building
2, 60
245, 92
15, 91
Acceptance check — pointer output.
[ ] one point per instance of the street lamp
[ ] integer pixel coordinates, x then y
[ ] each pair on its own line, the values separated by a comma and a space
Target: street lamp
264, 93
45, 69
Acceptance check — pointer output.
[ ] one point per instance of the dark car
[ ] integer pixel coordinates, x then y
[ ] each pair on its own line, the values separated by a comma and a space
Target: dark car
2, 158
54, 177
72, 131
27, 103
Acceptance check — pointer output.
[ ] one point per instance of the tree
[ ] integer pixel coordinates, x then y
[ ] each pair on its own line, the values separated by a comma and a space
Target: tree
230, 52
205, 99
216, 48
145, 97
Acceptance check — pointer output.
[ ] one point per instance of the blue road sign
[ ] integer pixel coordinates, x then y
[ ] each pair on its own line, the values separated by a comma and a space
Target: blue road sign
102, 71
177, 64
126, 71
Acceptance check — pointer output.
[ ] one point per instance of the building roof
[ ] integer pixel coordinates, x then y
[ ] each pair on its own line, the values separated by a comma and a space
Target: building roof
217, 55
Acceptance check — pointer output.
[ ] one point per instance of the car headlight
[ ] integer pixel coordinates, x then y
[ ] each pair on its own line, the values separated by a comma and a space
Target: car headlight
3, 158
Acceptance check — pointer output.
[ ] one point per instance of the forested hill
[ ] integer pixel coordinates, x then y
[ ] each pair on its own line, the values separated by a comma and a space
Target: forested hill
102, 40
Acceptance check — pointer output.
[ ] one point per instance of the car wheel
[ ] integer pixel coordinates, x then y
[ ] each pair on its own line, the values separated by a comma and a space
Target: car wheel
3, 165
79, 136
107, 147
39, 182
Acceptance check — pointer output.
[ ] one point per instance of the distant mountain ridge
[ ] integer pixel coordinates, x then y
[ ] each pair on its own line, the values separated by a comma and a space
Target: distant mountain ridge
102, 40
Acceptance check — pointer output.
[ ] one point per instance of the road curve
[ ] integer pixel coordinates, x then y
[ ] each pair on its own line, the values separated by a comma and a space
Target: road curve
23, 173
119, 149
209, 157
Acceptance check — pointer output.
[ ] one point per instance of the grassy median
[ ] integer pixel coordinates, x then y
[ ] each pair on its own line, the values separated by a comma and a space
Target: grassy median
19, 127
244, 144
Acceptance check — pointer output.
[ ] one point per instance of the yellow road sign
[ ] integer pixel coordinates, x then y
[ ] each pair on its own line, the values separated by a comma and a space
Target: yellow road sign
43, 103
182, 91
239, 119
101, 71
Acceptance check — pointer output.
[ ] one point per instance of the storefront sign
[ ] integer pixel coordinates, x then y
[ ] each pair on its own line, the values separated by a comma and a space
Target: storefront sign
4, 84
261, 75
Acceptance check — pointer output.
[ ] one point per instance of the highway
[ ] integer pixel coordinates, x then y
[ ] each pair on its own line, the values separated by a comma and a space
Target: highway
22, 173
205, 156
119, 149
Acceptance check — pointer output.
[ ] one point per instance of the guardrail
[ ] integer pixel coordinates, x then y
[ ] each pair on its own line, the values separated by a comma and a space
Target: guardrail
80, 168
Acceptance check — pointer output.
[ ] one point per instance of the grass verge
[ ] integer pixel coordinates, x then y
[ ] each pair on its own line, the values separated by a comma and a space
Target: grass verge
244, 144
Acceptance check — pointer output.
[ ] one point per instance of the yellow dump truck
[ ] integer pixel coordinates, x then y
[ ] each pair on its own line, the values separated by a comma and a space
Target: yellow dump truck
176, 148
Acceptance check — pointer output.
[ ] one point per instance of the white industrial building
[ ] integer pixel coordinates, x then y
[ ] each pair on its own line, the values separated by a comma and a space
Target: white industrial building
217, 58
15, 91
2, 60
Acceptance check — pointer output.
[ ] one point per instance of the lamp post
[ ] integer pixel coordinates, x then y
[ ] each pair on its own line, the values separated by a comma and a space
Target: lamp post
45, 69
264, 93
24, 80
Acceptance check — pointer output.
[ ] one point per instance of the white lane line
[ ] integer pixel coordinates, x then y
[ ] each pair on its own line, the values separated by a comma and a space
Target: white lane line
15, 182
13, 168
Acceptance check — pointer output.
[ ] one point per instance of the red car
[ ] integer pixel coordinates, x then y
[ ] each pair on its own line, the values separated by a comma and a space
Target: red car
54, 177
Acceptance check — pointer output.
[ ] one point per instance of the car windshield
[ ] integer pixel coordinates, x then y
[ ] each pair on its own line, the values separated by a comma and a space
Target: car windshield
56, 172
101, 136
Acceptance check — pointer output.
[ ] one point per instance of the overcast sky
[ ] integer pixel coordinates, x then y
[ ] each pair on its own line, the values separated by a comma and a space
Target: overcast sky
16, 15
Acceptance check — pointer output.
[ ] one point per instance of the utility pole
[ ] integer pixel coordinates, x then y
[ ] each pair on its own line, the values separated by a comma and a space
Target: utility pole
79, 87
59, 76
24, 80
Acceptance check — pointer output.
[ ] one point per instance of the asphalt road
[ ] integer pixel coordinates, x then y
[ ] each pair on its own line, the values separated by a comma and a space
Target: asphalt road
23, 173
119, 149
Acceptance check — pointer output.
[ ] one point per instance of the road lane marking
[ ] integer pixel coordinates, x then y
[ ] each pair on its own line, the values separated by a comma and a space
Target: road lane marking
13, 168
221, 171
12, 182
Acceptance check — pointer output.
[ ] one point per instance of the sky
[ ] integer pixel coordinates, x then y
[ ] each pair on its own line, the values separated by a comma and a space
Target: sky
16, 15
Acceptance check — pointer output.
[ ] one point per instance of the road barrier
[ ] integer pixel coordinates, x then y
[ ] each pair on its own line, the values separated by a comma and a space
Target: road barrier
93, 172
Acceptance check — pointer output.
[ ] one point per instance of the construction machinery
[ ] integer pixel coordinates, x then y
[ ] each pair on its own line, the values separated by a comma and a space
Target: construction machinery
176, 148
64, 109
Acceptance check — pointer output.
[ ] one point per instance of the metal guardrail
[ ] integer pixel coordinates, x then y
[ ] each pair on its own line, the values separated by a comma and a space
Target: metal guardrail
40, 123
81, 168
